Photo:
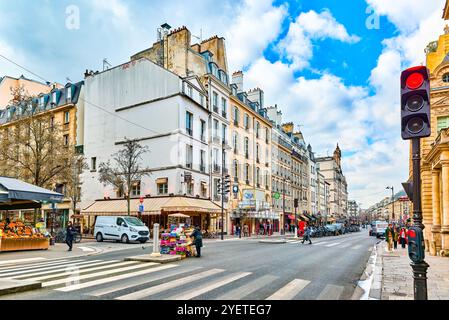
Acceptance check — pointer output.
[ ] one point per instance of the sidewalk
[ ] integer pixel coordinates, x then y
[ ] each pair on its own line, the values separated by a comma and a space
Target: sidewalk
396, 276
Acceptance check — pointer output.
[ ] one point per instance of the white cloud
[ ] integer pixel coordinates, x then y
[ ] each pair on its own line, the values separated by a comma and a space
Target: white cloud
117, 8
257, 24
297, 46
406, 14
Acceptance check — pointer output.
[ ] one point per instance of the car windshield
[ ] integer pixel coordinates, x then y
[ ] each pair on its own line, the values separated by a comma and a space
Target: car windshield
134, 221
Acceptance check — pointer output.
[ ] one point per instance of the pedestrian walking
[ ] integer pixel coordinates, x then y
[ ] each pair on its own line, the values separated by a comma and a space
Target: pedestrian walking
264, 228
198, 240
396, 237
389, 237
70, 232
307, 235
403, 237
245, 230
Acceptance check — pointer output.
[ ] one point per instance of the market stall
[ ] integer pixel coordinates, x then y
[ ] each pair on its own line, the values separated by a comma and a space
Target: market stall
16, 234
177, 241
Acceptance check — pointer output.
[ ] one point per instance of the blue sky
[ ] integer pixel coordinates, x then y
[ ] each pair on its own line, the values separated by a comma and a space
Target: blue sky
316, 59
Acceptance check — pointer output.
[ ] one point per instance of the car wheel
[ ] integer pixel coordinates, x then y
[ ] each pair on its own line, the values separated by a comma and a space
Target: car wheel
99, 237
125, 239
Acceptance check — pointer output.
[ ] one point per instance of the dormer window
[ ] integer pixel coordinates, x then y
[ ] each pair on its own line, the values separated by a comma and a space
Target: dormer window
41, 102
53, 98
69, 93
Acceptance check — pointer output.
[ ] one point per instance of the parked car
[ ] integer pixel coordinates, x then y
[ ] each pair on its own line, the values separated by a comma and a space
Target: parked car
121, 228
331, 230
378, 228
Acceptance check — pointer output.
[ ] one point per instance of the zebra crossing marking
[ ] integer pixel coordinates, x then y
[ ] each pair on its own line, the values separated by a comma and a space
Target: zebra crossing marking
108, 290
357, 247
168, 285
20, 260
114, 278
83, 269
195, 292
333, 244
53, 267
77, 278
290, 290
241, 292
321, 243
330, 292
33, 266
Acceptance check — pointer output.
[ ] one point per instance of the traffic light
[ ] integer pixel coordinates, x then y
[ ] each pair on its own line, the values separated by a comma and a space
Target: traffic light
219, 191
415, 103
227, 184
415, 245
295, 203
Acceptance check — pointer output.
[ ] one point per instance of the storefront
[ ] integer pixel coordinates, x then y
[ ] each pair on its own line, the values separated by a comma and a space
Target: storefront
201, 212
19, 204
254, 220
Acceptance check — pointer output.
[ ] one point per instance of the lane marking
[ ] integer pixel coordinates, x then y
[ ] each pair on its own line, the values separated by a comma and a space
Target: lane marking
219, 283
240, 292
114, 278
290, 290
86, 249
333, 244
97, 274
357, 247
331, 292
321, 243
108, 290
168, 285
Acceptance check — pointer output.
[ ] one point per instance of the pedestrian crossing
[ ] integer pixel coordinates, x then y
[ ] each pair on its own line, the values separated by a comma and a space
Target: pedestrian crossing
132, 280
345, 243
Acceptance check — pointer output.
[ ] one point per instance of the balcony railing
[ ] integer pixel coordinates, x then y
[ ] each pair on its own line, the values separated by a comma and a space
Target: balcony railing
224, 114
215, 109
236, 123
216, 139
217, 198
225, 170
202, 168
189, 131
217, 168
246, 155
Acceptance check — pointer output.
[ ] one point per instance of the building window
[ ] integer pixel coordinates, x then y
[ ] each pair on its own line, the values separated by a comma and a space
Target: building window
446, 77
189, 156
135, 189
203, 130
225, 133
190, 188
203, 189
246, 173
236, 116
93, 163
235, 170
53, 97
162, 188
235, 138
257, 129
202, 162
215, 101
246, 146
246, 121
202, 100
442, 123
66, 117
190, 91
224, 107
258, 177
69, 93
257, 153
216, 125
189, 123
66, 140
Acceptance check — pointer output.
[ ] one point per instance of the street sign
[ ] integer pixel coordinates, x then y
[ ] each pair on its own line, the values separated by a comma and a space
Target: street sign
277, 196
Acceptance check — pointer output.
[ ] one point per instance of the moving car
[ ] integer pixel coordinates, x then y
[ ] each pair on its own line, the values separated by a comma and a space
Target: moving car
121, 228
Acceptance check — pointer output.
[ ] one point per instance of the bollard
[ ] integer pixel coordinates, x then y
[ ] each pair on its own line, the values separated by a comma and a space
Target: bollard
156, 252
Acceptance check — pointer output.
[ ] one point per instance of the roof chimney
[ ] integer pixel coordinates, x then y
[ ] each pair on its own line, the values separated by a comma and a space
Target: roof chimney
237, 78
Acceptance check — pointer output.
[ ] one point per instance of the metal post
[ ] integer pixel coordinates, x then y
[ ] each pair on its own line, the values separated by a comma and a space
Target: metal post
283, 197
296, 222
392, 199
222, 189
156, 251
419, 269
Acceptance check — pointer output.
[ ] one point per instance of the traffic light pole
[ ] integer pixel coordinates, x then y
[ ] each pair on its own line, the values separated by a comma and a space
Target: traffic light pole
419, 269
222, 189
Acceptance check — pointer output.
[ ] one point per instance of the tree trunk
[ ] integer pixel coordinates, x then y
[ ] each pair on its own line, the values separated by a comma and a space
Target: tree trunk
129, 204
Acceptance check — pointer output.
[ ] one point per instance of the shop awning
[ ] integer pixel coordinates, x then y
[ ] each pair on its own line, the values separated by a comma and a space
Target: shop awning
303, 217
18, 190
152, 206
291, 217
308, 216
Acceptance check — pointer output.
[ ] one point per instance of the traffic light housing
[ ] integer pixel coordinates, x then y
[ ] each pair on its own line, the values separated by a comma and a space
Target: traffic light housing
295, 203
415, 103
219, 186
416, 244
227, 184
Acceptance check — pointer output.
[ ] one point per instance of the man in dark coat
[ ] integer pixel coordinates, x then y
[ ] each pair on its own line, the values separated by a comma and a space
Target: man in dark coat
306, 236
70, 232
198, 240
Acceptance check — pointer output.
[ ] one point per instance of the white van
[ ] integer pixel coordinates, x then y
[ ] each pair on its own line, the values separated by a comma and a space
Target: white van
121, 228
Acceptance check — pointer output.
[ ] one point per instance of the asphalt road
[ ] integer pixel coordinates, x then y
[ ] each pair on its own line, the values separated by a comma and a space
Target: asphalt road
235, 269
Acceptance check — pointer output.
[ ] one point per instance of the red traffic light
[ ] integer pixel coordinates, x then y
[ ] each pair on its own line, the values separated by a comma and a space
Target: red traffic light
412, 233
414, 81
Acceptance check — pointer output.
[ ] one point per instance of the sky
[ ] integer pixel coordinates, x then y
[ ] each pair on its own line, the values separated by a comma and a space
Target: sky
332, 67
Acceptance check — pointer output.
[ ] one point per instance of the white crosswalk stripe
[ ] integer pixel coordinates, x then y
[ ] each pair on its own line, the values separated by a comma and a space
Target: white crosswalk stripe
330, 292
33, 266
250, 287
321, 243
357, 247
290, 290
293, 241
169, 285
16, 261
333, 244
24, 273
76, 278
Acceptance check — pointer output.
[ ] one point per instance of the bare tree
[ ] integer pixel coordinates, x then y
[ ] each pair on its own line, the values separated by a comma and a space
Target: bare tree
127, 168
33, 146
73, 185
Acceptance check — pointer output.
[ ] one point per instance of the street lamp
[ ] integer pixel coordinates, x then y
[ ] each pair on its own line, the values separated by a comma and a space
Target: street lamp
392, 198
283, 198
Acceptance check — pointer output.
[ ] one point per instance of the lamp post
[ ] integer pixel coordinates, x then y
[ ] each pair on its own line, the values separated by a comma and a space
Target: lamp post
283, 198
392, 199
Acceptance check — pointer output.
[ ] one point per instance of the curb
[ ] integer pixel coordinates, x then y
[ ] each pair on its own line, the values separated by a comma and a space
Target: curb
369, 286
15, 286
